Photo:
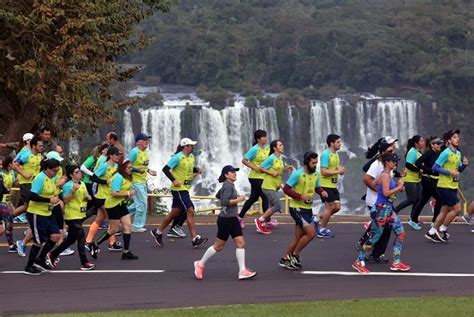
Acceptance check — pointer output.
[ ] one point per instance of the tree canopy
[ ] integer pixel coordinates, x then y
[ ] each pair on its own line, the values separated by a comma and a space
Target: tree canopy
57, 60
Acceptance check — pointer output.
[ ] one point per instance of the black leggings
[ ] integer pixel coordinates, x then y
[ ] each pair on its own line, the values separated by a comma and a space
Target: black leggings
75, 233
429, 190
255, 193
413, 191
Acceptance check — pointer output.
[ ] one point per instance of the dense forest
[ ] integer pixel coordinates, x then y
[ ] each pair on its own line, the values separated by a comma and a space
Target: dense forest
421, 49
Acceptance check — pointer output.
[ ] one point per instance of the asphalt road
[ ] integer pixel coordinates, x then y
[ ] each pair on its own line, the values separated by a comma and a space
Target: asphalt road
327, 260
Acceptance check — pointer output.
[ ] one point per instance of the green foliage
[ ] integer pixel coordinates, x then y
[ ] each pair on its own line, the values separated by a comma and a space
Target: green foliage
217, 97
57, 61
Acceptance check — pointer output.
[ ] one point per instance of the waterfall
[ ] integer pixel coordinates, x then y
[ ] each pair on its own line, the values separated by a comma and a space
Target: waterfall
128, 138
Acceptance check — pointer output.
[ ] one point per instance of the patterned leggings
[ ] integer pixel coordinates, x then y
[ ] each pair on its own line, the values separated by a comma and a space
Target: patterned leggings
381, 215
6, 218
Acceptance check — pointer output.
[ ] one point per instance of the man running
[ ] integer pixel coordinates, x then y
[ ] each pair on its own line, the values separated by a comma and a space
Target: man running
330, 171
181, 170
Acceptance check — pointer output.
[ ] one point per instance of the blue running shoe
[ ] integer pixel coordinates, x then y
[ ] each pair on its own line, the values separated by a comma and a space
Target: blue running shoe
414, 225
21, 248
325, 234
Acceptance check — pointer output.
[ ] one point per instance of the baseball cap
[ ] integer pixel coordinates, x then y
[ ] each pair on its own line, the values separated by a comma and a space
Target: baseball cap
142, 136
390, 157
226, 169
390, 140
437, 141
187, 141
28, 136
449, 134
54, 155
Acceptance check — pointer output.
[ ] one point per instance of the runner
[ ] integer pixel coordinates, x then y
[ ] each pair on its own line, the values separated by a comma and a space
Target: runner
7, 178
273, 167
412, 179
75, 197
181, 170
449, 165
116, 206
227, 225
138, 156
252, 159
429, 180
102, 176
42, 222
330, 171
301, 187
383, 213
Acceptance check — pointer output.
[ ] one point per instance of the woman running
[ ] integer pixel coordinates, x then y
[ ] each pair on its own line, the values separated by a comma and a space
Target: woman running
227, 225
383, 213
429, 180
116, 205
273, 168
252, 159
7, 179
75, 198
412, 179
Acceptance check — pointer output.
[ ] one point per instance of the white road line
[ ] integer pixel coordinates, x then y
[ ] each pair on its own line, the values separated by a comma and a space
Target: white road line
91, 271
388, 274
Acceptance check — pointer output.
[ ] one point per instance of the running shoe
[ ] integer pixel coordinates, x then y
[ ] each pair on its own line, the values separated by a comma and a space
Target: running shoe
117, 246
198, 241
42, 265
173, 233
400, 266
94, 250
87, 266
129, 256
31, 270
242, 223
198, 270
433, 237
260, 225
246, 274
50, 261
467, 218
295, 261
67, 252
272, 224
137, 230
12, 248
180, 231
286, 263
158, 237
377, 259
360, 267
414, 225
444, 236
87, 246
21, 248
325, 233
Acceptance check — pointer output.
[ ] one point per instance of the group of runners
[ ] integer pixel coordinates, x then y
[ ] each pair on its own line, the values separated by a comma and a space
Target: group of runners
111, 185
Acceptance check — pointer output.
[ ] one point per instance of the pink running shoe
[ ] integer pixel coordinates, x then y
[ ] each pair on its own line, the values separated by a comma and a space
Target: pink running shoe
261, 227
400, 266
367, 225
272, 224
242, 223
246, 274
359, 267
198, 270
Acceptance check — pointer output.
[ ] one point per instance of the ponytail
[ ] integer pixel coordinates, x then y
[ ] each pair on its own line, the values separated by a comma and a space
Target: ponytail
411, 142
273, 145
179, 148
373, 150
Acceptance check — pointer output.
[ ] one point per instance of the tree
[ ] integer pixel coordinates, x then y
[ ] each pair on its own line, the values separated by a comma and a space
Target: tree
58, 61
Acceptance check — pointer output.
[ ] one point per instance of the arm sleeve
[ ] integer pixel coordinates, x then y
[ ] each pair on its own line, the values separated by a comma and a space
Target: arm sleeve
85, 170
166, 169
22, 158
117, 183
225, 195
38, 184
290, 192
442, 158
411, 167
440, 170
324, 160
251, 154
421, 163
268, 163
98, 180
35, 197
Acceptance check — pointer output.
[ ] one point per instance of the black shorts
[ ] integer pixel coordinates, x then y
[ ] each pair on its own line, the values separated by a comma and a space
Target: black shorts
98, 202
302, 217
448, 196
333, 195
24, 194
181, 200
42, 227
228, 227
58, 214
117, 212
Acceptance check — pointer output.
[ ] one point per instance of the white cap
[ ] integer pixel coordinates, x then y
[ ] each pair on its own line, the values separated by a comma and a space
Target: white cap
390, 139
28, 136
187, 141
